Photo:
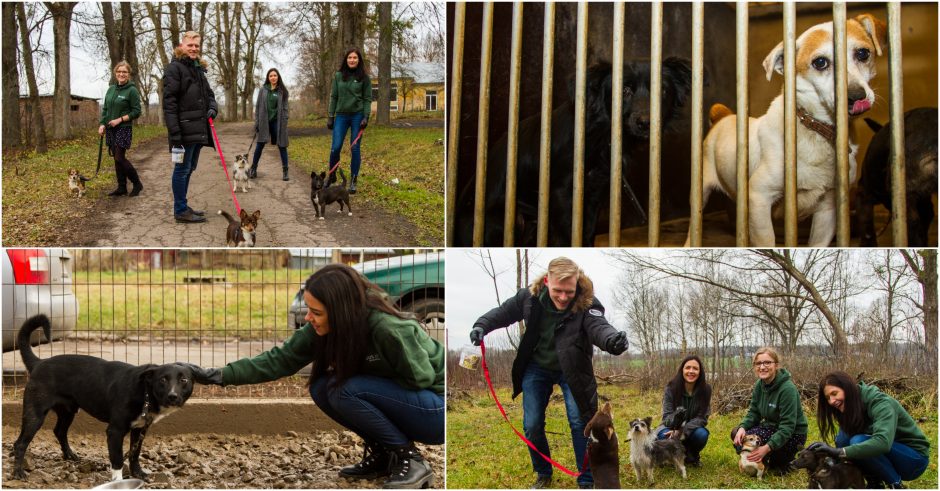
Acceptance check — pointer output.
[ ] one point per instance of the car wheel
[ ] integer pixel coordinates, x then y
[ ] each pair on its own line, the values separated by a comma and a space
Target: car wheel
430, 313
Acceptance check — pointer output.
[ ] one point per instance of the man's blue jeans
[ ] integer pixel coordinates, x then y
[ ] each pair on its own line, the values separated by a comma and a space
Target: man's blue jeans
694, 443
537, 384
181, 175
900, 463
342, 123
272, 130
379, 410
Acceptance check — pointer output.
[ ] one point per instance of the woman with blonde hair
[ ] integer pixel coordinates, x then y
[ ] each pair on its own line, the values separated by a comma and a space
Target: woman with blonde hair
121, 106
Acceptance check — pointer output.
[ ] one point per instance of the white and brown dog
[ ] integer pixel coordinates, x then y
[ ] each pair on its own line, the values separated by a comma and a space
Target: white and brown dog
749, 444
816, 110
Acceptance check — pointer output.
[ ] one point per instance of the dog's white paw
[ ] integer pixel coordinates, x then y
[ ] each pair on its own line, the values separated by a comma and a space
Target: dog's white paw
350, 213
321, 218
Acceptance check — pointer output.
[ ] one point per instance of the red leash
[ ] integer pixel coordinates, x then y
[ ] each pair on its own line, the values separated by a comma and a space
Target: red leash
486, 374
218, 148
350, 149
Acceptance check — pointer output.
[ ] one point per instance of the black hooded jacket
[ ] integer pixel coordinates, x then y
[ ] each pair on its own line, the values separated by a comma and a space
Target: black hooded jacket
187, 99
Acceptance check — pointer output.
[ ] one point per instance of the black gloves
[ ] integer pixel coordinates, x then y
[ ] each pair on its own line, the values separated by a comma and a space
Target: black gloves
211, 113
363, 124
329, 123
476, 335
205, 376
823, 448
617, 344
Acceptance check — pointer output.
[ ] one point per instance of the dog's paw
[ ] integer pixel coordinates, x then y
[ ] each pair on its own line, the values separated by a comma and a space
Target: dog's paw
69, 455
321, 218
350, 213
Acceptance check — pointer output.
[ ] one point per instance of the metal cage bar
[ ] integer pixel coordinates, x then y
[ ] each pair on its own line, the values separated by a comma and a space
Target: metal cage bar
789, 126
486, 52
545, 138
743, 148
898, 172
453, 137
616, 126
698, 22
512, 136
842, 124
577, 202
656, 105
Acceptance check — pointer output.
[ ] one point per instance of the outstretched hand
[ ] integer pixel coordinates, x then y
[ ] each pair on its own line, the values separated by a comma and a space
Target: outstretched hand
476, 335
618, 344
205, 376
825, 449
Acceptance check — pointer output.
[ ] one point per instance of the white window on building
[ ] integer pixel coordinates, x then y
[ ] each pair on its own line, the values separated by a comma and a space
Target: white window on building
430, 100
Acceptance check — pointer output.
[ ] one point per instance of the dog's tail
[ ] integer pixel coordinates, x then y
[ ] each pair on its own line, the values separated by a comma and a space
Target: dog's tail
874, 125
22, 340
228, 217
719, 111
343, 177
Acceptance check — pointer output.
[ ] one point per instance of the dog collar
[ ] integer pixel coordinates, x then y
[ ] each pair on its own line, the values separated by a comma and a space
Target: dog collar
825, 130
145, 412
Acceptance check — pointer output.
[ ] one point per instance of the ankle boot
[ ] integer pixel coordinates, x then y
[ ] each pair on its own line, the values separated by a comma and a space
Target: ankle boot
285, 177
352, 185
374, 463
408, 469
135, 180
253, 171
121, 182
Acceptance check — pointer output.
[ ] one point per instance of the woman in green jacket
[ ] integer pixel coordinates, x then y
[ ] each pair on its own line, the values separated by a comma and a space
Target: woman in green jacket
375, 371
350, 106
874, 431
121, 106
775, 414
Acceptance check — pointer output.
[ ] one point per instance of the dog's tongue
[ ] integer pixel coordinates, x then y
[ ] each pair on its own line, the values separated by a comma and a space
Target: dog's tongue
860, 106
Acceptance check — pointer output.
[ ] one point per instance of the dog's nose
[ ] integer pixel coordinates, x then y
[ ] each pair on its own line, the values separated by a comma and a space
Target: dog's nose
643, 123
173, 398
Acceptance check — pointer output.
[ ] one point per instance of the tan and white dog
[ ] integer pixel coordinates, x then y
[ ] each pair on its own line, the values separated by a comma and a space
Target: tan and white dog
815, 138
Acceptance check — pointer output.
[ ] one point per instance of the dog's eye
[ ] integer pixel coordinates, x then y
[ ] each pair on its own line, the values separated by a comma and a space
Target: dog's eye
821, 63
862, 54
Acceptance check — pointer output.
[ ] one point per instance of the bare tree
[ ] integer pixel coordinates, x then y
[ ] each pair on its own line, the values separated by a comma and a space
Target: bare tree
11, 80
38, 127
62, 96
129, 40
227, 55
385, 63
923, 263
352, 25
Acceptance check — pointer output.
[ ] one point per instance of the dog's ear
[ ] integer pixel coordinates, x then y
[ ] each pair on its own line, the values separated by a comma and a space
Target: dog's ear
242, 214
774, 61
679, 72
256, 214
876, 29
597, 92
147, 375
610, 432
323, 175
649, 421
606, 409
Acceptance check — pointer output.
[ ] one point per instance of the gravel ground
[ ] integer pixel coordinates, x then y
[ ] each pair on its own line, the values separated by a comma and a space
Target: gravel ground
293, 460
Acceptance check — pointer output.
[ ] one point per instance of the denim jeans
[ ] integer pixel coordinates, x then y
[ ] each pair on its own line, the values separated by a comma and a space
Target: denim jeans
537, 384
341, 123
900, 463
379, 410
694, 443
272, 130
181, 175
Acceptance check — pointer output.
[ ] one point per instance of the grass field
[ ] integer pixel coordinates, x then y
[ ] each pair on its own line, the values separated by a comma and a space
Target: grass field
483, 452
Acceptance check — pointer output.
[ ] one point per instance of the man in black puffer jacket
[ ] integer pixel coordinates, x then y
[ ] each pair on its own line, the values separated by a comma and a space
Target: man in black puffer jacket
188, 103
563, 324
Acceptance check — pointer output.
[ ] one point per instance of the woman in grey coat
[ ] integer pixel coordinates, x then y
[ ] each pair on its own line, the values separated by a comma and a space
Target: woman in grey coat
271, 120
686, 407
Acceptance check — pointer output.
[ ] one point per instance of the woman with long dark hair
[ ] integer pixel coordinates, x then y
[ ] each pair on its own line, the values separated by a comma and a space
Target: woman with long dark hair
375, 371
121, 107
874, 430
271, 114
350, 106
689, 390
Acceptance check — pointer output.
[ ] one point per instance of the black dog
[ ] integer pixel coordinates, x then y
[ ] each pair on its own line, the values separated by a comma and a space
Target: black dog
322, 193
874, 186
127, 397
827, 473
676, 422
677, 79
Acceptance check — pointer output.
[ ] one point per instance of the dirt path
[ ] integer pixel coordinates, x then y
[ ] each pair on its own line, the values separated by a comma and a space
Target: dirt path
287, 216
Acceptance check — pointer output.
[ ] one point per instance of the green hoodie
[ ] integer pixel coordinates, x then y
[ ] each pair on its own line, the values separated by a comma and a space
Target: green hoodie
888, 423
350, 96
399, 349
777, 405
119, 101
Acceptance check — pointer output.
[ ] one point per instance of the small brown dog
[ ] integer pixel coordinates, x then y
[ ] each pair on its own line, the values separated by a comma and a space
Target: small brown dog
241, 233
77, 182
748, 444
603, 449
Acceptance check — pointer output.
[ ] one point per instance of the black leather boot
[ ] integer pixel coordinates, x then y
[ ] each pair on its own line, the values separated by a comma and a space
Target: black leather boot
374, 463
408, 470
285, 176
121, 182
135, 180
352, 185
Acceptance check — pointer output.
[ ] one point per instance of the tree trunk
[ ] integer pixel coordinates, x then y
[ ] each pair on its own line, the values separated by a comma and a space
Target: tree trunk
329, 59
930, 307
385, 63
174, 23
129, 42
112, 36
38, 125
155, 11
11, 80
62, 96
352, 25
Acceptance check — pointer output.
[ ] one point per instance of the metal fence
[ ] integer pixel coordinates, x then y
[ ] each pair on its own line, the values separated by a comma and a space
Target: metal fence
207, 307
458, 158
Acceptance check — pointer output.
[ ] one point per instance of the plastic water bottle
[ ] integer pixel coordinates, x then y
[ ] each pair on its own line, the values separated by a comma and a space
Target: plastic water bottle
177, 154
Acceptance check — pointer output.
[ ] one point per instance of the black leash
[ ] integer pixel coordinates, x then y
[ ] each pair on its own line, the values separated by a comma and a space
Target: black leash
253, 138
98, 168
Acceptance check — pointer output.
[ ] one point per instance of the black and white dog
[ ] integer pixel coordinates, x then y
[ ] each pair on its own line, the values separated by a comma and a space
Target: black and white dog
677, 81
128, 398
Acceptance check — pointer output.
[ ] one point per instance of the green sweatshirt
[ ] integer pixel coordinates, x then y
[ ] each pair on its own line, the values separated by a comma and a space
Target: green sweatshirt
350, 96
121, 100
399, 349
889, 423
778, 405
273, 98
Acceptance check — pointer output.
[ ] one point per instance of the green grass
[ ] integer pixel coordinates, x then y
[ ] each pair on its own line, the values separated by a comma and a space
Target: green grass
483, 452
36, 201
410, 155
249, 305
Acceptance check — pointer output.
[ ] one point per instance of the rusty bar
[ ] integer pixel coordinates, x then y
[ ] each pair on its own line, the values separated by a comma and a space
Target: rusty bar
453, 136
577, 200
512, 137
743, 172
842, 124
616, 127
656, 111
898, 172
695, 200
545, 140
479, 202
789, 125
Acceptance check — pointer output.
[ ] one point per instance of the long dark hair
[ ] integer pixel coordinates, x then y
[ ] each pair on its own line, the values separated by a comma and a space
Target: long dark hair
281, 86
359, 73
348, 299
852, 418
701, 391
